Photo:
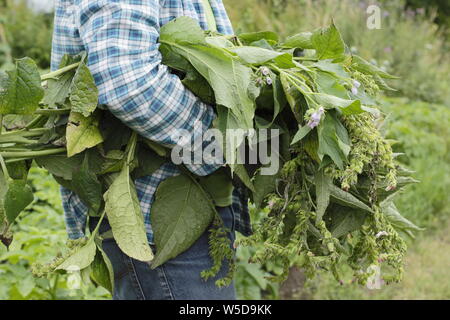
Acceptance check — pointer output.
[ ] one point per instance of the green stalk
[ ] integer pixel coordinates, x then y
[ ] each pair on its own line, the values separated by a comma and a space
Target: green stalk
26, 154
25, 133
52, 111
17, 160
131, 147
4, 169
57, 73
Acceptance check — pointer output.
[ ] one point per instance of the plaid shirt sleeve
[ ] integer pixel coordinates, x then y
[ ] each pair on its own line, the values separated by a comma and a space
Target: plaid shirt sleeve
121, 39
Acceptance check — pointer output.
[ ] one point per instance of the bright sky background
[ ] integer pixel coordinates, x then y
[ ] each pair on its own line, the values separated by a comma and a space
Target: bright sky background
41, 5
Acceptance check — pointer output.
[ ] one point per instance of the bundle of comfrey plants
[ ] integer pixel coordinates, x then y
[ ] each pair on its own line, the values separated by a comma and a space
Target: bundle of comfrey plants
330, 203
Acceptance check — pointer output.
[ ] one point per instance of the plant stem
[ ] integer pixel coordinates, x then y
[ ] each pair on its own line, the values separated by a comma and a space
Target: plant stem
59, 72
52, 111
26, 133
4, 169
33, 122
17, 160
131, 147
25, 154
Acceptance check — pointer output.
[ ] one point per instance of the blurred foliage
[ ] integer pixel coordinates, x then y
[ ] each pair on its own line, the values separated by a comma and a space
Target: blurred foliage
441, 7
27, 33
408, 45
38, 236
423, 134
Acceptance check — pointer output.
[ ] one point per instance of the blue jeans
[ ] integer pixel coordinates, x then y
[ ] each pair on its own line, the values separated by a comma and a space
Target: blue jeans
177, 279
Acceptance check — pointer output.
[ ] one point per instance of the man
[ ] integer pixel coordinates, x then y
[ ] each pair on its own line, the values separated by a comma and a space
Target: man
121, 41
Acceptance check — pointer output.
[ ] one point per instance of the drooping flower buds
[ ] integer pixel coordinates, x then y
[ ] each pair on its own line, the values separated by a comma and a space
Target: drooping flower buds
315, 118
265, 71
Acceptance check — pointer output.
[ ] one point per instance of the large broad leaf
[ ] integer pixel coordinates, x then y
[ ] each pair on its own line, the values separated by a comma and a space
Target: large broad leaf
328, 43
17, 198
83, 91
346, 199
366, 67
264, 185
125, 217
87, 187
301, 40
396, 219
58, 90
248, 38
346, 106
229, 78
60, 165
82, 133
322, 183
219, 186
180, 215
332, 68
102, 271
81, 258
329, 142
255, 55
329, 83
20, 89
345, 220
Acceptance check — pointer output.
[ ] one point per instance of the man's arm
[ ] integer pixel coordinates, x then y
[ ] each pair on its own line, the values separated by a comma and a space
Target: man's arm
121, 39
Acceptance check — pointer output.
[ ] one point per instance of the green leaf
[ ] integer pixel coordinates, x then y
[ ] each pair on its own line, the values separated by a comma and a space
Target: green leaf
241, 172
126, 219
102, 272
301, 133
329, 143
346, 199
255, 55
345, 220
83, 91
60, 165
20, 89
229, 78
285, 61
25, 286
366, 67
148, 161
332, 68
219, 186
17, 198
346, 106
391, 212
81, 258
58, 90
264, 185
328, 83
87, 187
248, 38
322, 183
301, 40
180, 215
82, 133
328, 43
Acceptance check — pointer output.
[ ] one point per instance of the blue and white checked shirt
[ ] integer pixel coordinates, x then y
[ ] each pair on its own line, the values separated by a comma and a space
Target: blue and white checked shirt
121, 40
